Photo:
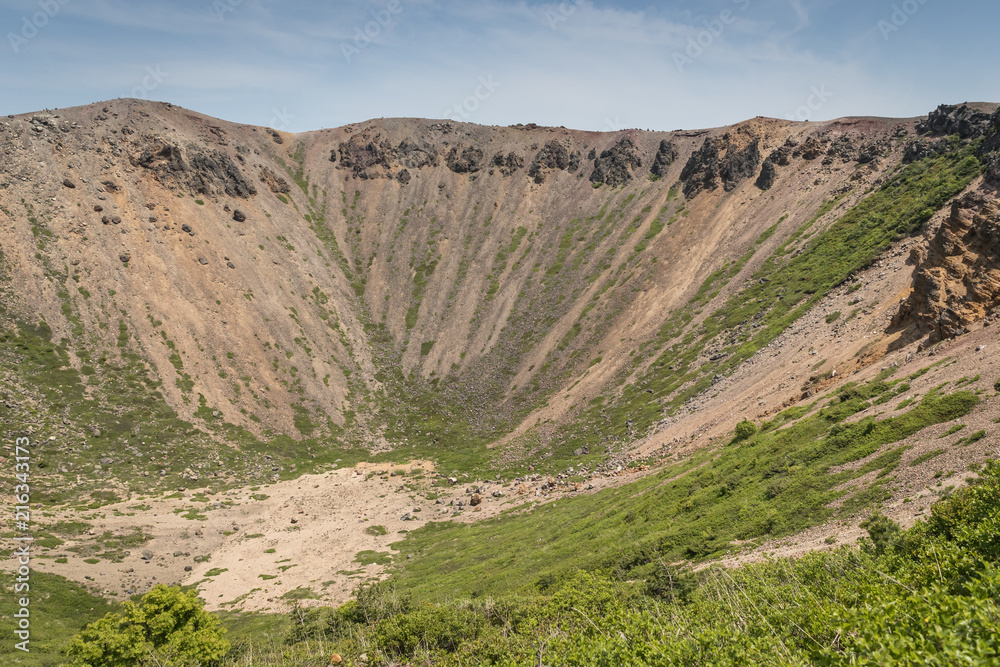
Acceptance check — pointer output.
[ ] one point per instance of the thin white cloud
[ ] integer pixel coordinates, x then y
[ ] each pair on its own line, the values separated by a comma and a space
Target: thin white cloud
801, 13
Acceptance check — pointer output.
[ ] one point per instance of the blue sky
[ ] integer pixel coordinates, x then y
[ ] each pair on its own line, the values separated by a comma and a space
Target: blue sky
597, 65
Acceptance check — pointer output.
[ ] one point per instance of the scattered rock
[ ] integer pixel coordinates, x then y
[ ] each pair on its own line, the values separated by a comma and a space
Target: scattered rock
810, 149
507, 164
68, 183
239, 216
274, 183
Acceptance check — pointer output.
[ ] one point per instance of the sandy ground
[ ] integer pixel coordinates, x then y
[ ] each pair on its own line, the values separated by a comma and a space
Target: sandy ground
258, 544
263, 547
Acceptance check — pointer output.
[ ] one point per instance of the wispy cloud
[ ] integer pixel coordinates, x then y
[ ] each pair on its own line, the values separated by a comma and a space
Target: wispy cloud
575, 63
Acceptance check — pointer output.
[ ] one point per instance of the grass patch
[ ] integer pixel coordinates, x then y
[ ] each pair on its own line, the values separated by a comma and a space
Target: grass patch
369, 557
773, 483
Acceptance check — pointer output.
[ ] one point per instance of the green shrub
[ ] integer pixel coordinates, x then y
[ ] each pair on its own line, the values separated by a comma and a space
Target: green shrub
883, 531
931, 627
378, 601
431, 628
167, 627
744, 430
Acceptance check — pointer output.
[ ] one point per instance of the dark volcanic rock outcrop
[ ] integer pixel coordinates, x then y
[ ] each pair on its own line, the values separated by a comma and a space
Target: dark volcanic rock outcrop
205, 173
782, 155
702, 169
924, 148
415, 155
842, 147
666, 155
957, 277
361, 154
739, 165
614, 166
989, 150
507, 164
725, 160
211, 171
553, 155
810, 149
874, 151
963, 120
768, 174
464, 160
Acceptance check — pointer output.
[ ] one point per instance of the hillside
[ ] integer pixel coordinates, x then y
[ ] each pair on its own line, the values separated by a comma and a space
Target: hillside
498, 279
214, 311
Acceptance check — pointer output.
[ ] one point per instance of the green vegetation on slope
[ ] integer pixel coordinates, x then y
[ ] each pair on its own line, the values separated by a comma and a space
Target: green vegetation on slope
782, 291
58, 609
925, 596
773, 483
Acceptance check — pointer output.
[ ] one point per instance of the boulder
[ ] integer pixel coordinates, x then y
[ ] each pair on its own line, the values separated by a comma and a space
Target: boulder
768, 173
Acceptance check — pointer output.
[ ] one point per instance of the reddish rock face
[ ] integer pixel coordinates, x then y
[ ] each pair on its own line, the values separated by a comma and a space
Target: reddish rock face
956, 281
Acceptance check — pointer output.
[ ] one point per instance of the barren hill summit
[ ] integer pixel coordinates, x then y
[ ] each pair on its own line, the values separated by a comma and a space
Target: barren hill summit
485, 296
